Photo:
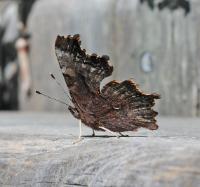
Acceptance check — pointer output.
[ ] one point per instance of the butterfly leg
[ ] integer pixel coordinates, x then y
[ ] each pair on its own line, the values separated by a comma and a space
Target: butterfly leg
80, 133
123, 135
111, 132
93, 133
80, 129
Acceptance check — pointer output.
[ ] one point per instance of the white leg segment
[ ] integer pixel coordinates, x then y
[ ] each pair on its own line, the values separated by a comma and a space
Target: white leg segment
80, 128
93, 132
111, 132
80, 133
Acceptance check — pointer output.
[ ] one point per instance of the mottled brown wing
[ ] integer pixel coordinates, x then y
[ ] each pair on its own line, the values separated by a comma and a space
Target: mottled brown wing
131, 108
75, 63
83, 74
118, 106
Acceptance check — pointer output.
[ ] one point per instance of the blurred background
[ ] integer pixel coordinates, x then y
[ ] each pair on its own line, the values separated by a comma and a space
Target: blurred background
157, 43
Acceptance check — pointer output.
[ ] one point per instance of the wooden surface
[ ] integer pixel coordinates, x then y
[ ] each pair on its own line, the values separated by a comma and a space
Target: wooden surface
36, 150
124, 31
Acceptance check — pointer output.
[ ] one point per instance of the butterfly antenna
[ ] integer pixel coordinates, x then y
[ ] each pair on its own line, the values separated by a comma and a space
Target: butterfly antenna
51, 98
59, 84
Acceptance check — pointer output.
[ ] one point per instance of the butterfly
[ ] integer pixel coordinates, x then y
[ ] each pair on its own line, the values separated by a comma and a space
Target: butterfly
117, 107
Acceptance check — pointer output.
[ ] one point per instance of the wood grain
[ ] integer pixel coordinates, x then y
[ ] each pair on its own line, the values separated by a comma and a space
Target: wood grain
36, 150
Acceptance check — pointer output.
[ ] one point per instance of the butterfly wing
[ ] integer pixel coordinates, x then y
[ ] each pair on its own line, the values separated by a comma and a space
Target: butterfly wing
83, 74
76, 64
131, 108
118, 106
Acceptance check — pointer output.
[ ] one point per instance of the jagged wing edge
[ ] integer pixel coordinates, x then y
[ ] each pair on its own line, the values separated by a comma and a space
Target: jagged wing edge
133, 88
72, 46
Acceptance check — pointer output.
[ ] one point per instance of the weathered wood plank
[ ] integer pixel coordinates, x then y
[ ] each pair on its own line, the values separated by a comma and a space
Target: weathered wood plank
37, 150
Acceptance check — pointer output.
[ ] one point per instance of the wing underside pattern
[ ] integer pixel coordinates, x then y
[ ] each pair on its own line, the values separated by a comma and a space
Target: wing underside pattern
119, 106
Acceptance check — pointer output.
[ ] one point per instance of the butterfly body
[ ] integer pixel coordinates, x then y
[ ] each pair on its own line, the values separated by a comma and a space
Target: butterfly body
118, 106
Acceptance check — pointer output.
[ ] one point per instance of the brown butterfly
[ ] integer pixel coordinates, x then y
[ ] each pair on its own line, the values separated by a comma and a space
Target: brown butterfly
117, 107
